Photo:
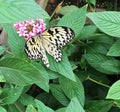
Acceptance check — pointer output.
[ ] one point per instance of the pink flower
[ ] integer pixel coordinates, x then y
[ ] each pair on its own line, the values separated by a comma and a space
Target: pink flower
30, 28
21, 32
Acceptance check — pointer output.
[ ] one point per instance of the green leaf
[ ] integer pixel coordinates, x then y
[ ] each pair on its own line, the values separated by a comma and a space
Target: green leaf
73, 89
20, 72
91, 1
20, 10
2, 79
26, 99
10, 95
88, 31
67, 9
2, 109
111, 65
103, 63
52, 74
108, 22
16, 43
74, 106
63, 68
114, 91
115, 49
44, 73
98, 106
30, 108
42, 108
74, 20
2, 49
16, 107
59, 94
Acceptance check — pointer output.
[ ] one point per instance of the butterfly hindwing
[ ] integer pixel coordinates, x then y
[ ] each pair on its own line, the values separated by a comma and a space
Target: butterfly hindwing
35, 50
51, 40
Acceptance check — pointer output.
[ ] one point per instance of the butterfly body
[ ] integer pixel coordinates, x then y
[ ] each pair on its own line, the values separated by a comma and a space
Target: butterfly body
51, 40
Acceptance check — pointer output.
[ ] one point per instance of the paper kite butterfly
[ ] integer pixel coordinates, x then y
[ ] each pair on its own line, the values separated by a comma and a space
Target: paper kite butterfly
51, 40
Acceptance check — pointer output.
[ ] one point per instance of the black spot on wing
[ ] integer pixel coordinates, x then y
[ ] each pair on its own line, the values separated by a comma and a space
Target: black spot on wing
50, 32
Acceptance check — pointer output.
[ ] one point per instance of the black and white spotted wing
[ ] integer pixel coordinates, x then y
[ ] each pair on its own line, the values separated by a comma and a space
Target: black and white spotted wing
35, 50
51, 40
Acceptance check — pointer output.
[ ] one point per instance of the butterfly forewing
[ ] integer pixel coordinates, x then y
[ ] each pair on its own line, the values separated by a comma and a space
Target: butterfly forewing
55, 38
60, 36
51, 41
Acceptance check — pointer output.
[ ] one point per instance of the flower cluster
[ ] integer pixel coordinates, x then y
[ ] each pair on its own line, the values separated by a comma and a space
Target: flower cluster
30, 28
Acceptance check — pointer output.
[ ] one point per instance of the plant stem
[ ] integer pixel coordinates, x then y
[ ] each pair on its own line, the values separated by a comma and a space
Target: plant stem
99, 83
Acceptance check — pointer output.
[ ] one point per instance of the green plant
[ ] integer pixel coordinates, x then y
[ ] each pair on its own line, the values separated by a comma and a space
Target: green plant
79, 82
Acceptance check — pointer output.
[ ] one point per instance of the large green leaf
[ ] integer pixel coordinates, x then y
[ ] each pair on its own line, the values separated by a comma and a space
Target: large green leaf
114, 91
103, 63
108, 22
98, 106
20, 10
20, 72
10, 95
74, 20
74, 106
42, 108
59, 94
64, 67
115, 49
73, 89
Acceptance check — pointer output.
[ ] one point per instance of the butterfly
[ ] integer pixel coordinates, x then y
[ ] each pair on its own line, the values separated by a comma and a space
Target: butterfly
50, 41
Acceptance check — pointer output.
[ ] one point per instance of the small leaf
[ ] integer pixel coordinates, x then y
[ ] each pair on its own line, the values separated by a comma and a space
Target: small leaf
42, 108
74, 106
91, 1
26, 99
30, 108
88, 31
115, 49
74, 20
114, 91
59, 94
73, 89
10, 95
108, 22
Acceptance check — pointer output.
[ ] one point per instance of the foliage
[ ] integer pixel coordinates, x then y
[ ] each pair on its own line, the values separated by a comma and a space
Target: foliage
80, 82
